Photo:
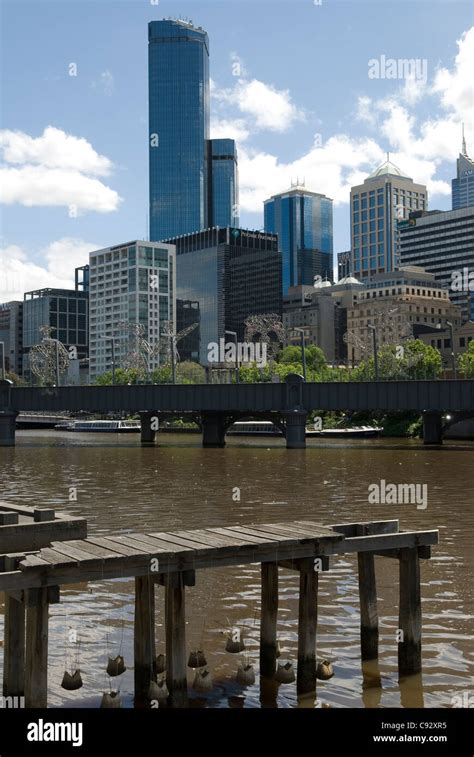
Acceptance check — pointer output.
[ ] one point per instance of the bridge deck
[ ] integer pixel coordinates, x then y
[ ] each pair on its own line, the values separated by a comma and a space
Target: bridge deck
116, 556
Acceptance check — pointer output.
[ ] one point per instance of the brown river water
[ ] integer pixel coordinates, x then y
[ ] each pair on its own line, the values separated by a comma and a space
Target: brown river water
123, 488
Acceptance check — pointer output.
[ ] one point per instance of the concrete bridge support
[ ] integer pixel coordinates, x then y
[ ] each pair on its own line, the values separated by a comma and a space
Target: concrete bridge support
7, 428
213, 429
149, 423
295, 428
432, 427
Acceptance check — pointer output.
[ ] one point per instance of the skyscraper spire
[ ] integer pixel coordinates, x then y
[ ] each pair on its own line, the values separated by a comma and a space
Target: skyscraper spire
464, 150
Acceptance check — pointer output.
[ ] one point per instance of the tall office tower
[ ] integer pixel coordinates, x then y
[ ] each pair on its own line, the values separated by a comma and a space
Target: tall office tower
193, 180
463, 184
343, 264
385, 197
11, 334
223, 185
178, 90
132, 283
228, 275
303, 222
442, 242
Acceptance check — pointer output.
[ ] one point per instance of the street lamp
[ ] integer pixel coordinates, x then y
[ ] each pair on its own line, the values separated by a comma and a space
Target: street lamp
376, 359
303, 354
453, 353
234, 334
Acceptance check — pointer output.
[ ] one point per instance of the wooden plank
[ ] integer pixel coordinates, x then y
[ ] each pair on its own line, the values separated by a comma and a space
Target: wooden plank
175, 619
156, 544
75, 552
212, 539
144, 635
369, 621
268, 622
409, 649
36, 655
126, 540
14, 648
31, 536
244, 539
264, 537
53, 557
34, 561
307, 624
117, 544
180, 541
93, 549
301, 533
372, 527
404, 539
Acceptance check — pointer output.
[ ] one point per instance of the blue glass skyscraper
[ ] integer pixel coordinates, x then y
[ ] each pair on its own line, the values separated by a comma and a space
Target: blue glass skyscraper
223, 183
178, 83
303, 222
463, 185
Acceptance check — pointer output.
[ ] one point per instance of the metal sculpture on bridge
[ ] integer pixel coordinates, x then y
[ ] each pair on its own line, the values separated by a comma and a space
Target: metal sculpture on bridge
267, 328
390, 325
49, 359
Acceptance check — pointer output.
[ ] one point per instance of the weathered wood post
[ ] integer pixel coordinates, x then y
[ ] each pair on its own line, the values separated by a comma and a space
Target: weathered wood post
175, 620
14, 647
36, 663
268, 622
307, 623
409, 649
144, 634
369, 621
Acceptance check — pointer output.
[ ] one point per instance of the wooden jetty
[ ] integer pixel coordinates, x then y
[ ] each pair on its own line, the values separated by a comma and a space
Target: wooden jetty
172, 560
23, 530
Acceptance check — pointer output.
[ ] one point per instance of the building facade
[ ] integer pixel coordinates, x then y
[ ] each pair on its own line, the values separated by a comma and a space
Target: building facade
402, 304
232, 273
193, 180
385, 197
11, 334
131, 284
65, 311
303, 222
223, 184
343, 264
442, 242
462, 187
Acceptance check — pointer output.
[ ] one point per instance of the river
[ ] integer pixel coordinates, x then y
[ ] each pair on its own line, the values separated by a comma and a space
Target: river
121, 487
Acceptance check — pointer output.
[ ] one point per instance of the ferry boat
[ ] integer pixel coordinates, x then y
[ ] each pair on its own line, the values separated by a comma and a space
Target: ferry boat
251, 428
105, 427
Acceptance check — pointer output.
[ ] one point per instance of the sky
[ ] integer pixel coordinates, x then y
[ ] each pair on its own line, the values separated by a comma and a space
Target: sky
312, 91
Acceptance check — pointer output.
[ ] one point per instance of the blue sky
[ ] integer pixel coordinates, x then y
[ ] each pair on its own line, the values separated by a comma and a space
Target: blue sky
290, 82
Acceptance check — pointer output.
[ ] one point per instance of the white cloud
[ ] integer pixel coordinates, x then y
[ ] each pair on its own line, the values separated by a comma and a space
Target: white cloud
55, 169
229, 129
53, 149
20, 274
456, 87
105, 83
269, 108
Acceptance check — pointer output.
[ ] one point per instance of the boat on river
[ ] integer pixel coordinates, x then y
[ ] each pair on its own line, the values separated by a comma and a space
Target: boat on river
103, 427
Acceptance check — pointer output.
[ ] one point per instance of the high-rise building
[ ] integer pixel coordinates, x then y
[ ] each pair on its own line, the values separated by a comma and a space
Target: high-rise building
343, 264
387, 195
405, 303
188, 314
223, 183
303, 222
130, 284
11, 334
463, 184
65, 311
442, 242
193, 180
232, 273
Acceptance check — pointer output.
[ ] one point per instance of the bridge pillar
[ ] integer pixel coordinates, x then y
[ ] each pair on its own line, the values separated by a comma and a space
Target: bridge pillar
149, 424
295, 428
432, 427
213, 429
7, 428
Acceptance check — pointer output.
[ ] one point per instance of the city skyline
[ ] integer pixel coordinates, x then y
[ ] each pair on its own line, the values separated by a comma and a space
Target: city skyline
279, 133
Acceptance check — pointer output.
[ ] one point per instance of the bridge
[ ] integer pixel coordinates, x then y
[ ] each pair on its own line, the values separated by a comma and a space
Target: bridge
215, 407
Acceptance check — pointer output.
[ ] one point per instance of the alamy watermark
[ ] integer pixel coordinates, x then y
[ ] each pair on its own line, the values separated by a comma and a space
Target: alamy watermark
415, 69
462, 281
398, 494
242, 352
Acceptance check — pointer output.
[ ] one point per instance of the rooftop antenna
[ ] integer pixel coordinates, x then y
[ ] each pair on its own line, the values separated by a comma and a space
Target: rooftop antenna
464, 151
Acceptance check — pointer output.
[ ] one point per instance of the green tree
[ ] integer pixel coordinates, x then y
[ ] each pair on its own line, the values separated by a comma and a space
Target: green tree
190, 373
315, 359
466, 361
416, 361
